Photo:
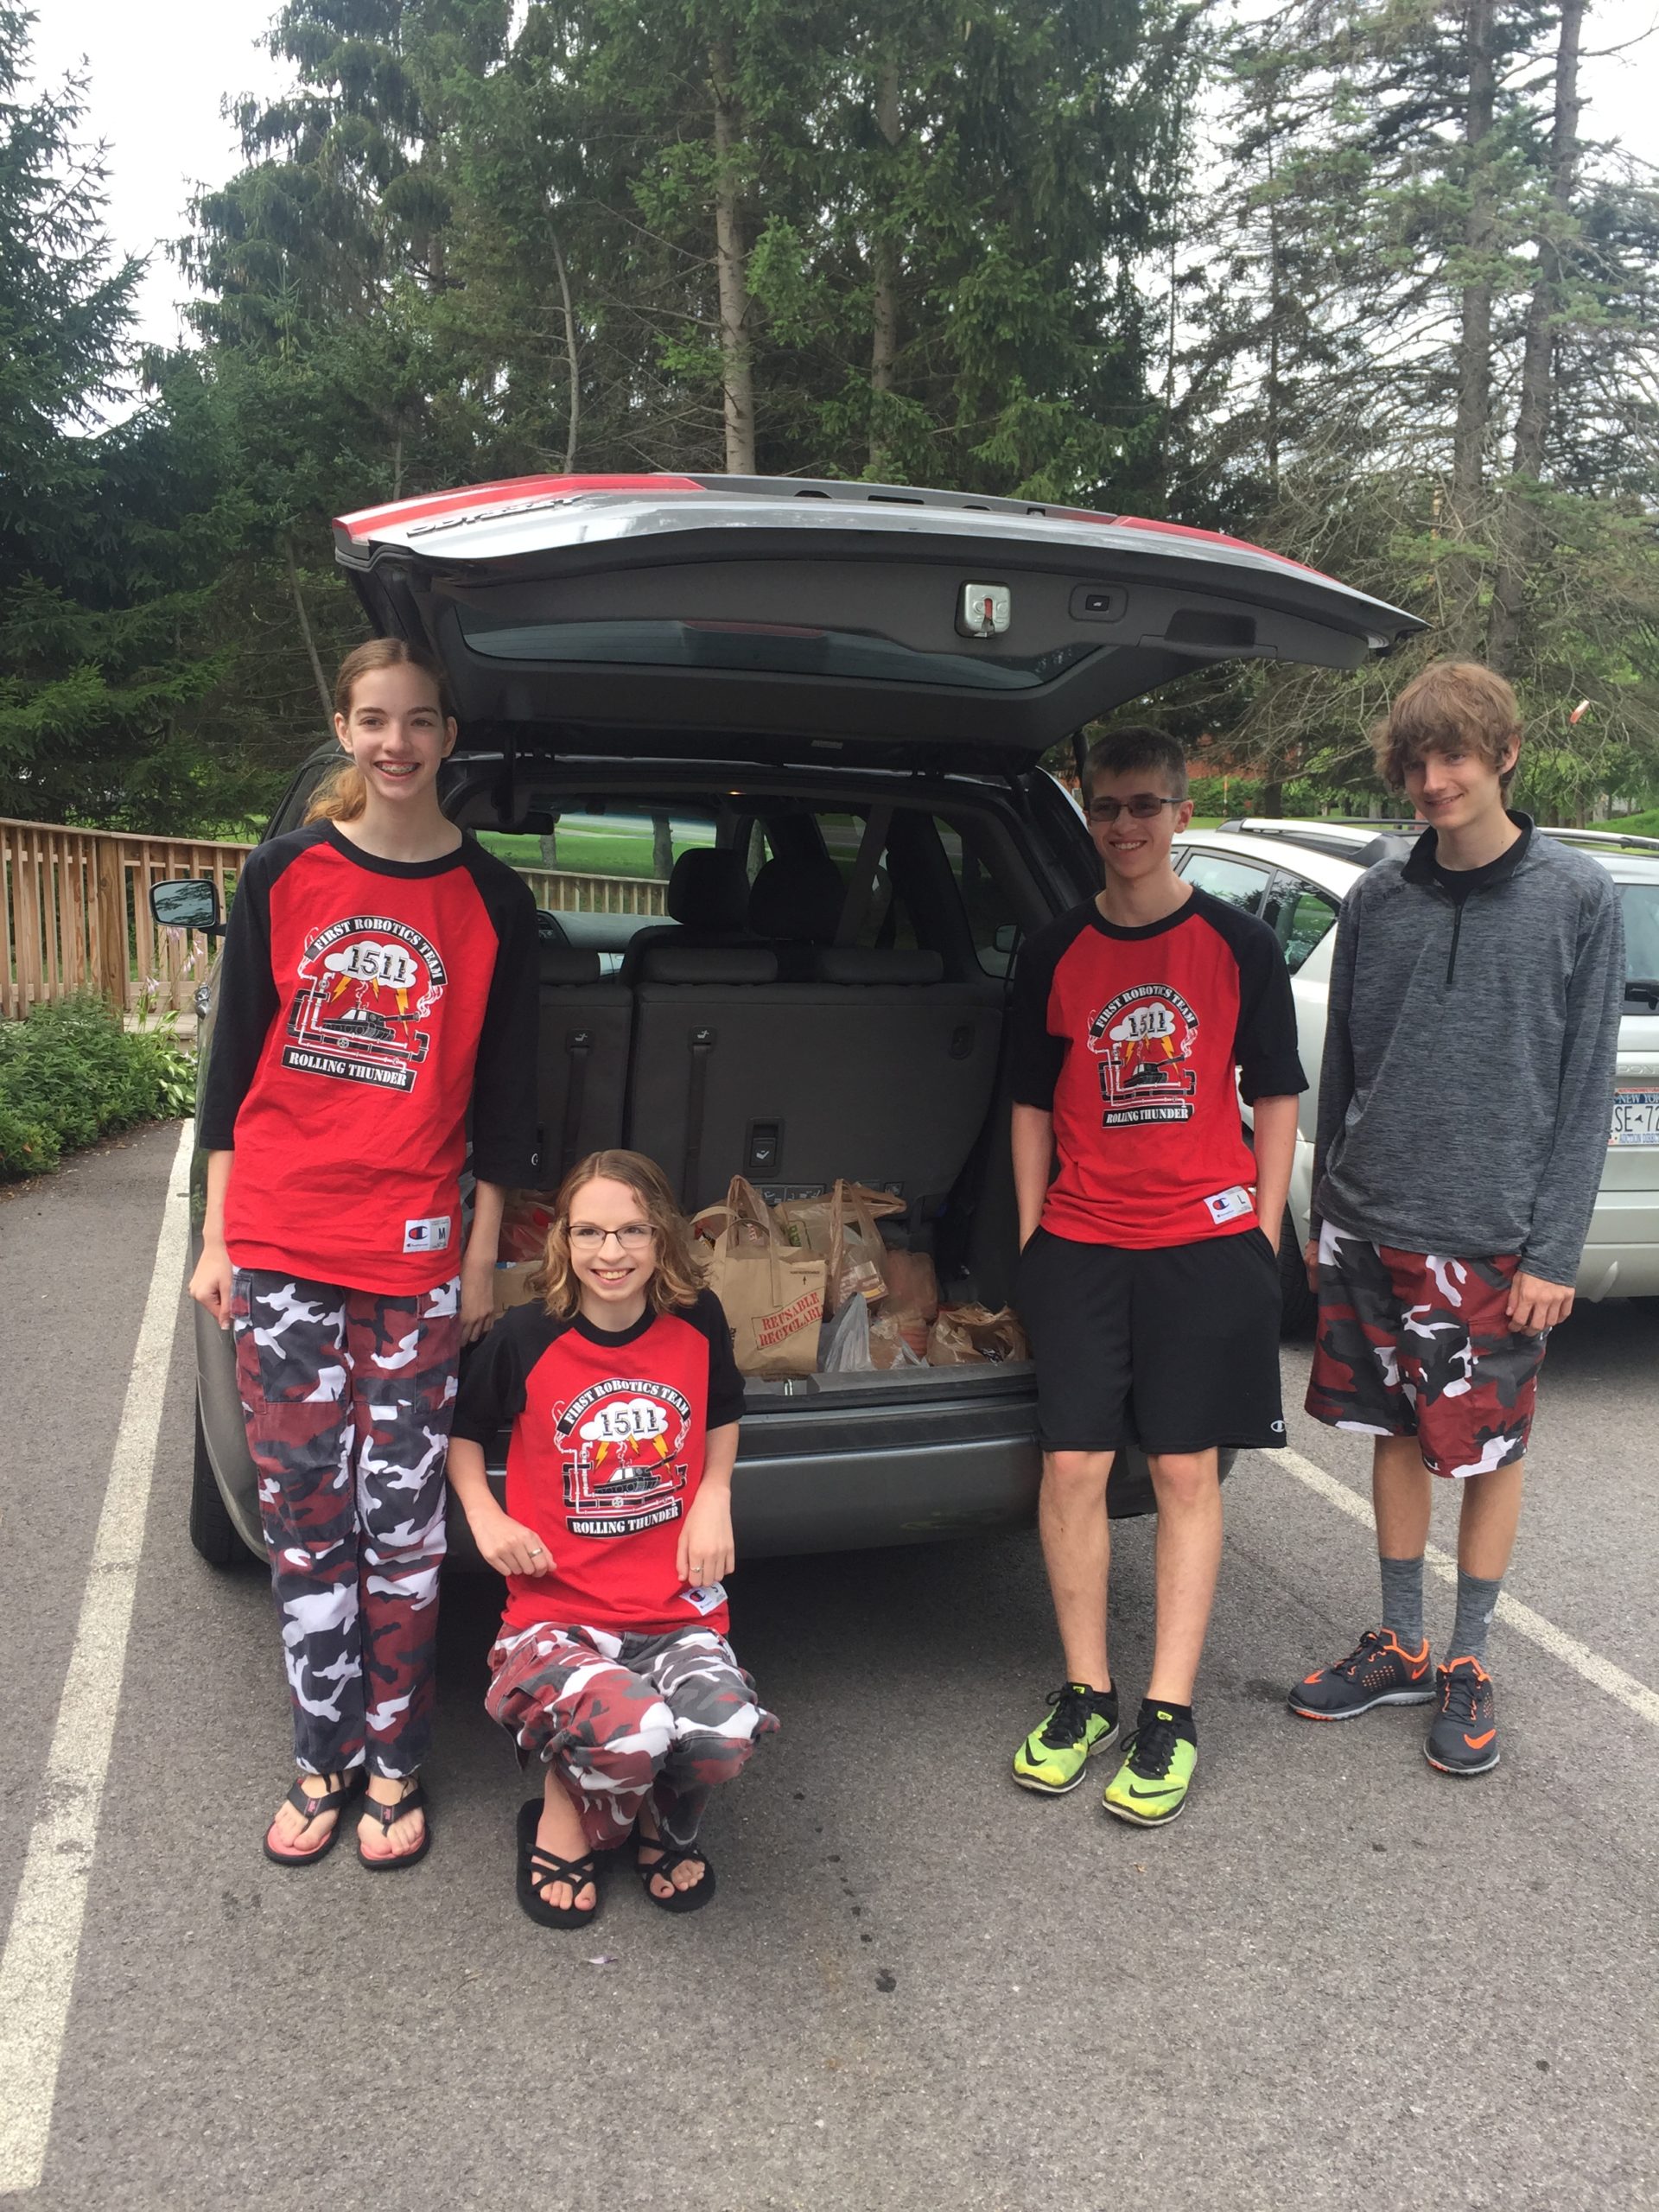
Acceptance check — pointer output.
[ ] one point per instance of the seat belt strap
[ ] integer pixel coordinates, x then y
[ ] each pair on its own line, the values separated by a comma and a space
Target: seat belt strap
578, 1045
856, 904
702, 1041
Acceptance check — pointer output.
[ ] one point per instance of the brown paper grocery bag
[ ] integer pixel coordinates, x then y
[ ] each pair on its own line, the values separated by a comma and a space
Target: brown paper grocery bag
964, 1335
841, 1227
772, 1295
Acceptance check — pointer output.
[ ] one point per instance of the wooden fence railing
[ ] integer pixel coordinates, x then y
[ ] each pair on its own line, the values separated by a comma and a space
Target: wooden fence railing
562, 891
75, 913
75, 916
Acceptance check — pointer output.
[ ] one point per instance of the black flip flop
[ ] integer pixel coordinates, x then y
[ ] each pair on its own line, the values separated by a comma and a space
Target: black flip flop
673, 1855
413, 1801
536, 1868
331, 1800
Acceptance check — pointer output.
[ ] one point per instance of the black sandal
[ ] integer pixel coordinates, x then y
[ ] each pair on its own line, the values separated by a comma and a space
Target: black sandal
536, 1868
673, 1855
412, 1801
331, 1800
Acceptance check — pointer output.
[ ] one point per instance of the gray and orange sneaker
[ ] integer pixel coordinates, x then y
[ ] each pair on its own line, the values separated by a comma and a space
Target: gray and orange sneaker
1379, 1670
1464, 1738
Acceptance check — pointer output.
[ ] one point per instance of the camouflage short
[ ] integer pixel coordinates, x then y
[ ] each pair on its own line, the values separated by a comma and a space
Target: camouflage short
621, 1717
1413, 1345
347, 1396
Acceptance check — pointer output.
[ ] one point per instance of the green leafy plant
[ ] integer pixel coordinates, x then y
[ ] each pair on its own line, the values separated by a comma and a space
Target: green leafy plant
70, 1073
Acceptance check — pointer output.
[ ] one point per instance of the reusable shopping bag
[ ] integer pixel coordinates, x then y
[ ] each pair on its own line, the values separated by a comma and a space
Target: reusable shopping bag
772, 1294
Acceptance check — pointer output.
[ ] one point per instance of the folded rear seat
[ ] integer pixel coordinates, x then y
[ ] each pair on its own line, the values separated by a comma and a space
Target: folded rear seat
582, 1057
874, 1066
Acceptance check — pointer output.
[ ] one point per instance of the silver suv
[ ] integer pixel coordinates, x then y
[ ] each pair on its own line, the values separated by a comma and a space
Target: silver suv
768, 753
1294, 875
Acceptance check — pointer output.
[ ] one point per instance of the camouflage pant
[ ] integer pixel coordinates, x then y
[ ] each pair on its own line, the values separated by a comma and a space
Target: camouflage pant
347, 1398
1409, 1345
622, 1717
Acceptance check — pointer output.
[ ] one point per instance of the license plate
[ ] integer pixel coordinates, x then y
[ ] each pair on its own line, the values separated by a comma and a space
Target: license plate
1635, 1118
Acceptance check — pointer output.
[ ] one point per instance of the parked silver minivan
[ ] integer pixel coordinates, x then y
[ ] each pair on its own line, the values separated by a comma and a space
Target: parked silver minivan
820, 709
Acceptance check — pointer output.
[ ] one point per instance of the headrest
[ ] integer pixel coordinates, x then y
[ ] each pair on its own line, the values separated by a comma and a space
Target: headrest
851, 964
708, 890
798, 902
569, 963
672, 964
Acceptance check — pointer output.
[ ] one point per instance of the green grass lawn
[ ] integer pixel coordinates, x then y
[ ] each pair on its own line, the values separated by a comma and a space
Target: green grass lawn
595, 845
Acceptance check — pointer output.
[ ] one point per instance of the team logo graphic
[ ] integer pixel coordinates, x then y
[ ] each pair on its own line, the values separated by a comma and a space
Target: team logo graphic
620, 1446
1144, 1039
366, 984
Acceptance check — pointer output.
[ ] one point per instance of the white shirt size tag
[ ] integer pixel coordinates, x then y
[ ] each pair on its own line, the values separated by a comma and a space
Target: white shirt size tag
705, 1598
431, 1236
1227, 1205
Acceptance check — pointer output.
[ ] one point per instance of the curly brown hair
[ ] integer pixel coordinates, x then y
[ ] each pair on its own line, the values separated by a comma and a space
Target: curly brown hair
1452, 706
679, 1276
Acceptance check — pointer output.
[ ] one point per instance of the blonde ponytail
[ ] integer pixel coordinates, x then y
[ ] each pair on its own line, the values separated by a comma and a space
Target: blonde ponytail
341, 796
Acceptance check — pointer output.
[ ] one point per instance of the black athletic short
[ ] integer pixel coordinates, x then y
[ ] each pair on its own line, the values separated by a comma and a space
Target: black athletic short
1175, 1349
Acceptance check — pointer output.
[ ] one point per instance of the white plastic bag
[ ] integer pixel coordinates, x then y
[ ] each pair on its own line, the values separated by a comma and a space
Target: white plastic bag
844, 1343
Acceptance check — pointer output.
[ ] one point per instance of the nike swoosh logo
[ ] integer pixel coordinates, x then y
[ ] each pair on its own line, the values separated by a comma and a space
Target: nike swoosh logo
1174, 1790
1480, 1743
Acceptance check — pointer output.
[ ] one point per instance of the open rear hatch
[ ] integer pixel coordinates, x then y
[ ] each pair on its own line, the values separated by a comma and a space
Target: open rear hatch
634, 615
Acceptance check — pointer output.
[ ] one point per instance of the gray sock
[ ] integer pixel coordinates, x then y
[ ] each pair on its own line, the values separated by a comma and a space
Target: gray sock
1476, 1601
1403, 1599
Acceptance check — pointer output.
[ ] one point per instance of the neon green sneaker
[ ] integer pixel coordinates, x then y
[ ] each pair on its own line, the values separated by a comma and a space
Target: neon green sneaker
1150, 1787
1052, 1758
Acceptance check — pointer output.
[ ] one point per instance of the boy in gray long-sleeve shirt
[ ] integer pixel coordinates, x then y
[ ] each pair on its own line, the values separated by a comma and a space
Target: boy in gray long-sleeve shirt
1464, 1101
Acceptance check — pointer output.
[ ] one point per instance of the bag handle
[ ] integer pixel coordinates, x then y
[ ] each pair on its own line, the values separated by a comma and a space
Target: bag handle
744, 1208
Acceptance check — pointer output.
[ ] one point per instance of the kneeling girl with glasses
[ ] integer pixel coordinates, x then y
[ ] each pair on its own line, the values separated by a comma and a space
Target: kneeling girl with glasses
612, 1668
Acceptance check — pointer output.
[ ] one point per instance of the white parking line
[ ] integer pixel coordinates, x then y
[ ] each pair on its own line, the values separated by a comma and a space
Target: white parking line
37, 1968
1544, 1634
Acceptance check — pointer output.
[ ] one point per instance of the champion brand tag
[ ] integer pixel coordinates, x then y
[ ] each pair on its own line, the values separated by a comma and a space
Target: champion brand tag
1227, 1205
705, 1597
431, 1236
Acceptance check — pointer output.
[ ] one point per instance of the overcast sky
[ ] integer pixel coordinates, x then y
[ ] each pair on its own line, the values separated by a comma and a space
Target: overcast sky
161, 70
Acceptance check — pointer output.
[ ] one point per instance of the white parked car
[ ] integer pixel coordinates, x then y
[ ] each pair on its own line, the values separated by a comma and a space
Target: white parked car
1294, 875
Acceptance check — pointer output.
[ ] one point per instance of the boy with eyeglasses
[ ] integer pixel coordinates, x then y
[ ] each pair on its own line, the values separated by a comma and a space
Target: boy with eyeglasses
1148, 1277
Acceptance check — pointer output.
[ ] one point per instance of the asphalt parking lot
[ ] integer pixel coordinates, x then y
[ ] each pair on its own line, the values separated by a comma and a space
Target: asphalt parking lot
1341, 1980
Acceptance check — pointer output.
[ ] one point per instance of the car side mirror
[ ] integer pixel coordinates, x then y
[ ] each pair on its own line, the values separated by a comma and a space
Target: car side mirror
191, 903
1007, 939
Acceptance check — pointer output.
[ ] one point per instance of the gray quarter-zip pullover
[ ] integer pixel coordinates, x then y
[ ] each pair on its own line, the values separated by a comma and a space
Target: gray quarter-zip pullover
1466, 1092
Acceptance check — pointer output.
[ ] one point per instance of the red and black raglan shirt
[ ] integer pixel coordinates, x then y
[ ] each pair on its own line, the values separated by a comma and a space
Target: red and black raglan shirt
605, 1457
362, 1005
1130, 1038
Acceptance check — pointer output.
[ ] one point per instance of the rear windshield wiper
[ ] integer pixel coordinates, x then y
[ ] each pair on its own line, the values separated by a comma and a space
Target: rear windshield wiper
1642, 987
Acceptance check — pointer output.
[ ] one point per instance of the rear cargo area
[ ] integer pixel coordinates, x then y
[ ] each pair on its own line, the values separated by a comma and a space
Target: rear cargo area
815, 990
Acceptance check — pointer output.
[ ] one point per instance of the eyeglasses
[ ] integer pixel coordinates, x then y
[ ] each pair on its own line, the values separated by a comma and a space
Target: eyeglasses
633, 1237
1143, 807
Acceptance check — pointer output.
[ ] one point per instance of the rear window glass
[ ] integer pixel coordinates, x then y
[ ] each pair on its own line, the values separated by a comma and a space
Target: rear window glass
1301, 918
992, 921
1641, 905
770, 648
599, 864
1235, 881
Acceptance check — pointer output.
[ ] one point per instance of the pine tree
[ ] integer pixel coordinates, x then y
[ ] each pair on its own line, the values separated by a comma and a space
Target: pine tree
1443, 433
106, 575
